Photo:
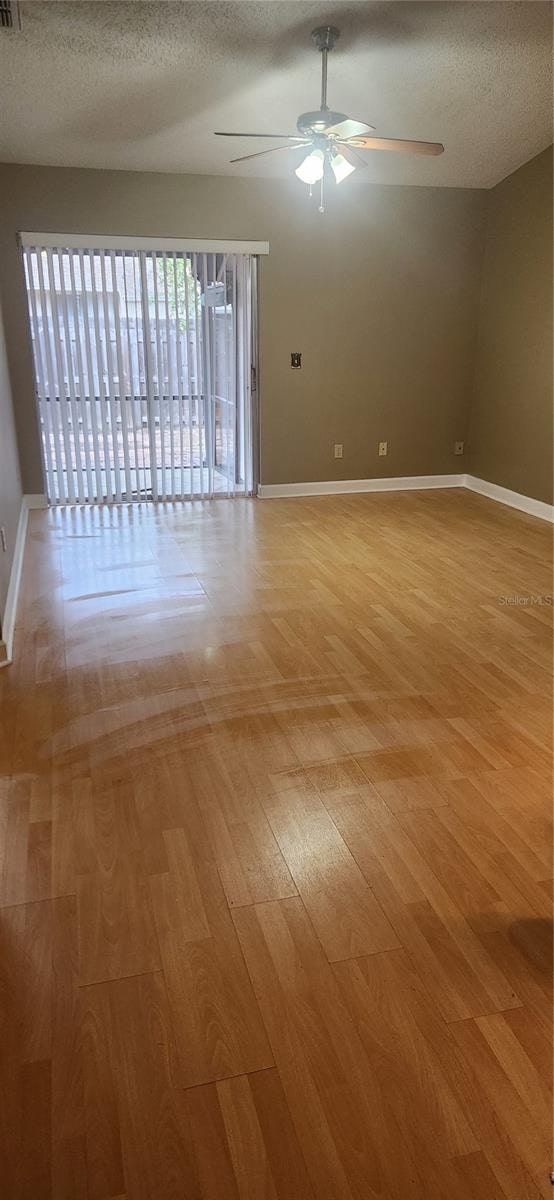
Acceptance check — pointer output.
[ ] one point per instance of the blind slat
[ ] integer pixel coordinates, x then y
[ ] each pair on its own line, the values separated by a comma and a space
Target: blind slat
40, 383
90, 387
58, 394
75, 422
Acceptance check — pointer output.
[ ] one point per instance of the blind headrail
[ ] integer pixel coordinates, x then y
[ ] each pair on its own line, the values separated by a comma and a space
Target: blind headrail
92, 241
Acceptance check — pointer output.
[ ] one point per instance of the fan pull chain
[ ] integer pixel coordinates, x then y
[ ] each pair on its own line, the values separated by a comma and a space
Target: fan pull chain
321, 204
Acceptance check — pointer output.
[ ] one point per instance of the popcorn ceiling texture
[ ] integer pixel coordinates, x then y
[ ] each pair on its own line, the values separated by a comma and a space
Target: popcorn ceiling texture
142, 86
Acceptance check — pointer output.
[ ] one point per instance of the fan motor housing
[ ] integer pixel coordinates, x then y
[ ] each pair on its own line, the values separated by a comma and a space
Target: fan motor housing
318, 122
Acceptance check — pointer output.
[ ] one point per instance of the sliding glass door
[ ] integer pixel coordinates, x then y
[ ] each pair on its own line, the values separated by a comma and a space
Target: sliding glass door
144, 366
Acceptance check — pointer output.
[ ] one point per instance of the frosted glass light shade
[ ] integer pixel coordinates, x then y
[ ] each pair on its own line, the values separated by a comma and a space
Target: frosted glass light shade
341, 168
311, 169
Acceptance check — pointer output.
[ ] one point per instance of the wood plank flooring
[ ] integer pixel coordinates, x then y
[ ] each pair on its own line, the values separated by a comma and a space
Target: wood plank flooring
275, 856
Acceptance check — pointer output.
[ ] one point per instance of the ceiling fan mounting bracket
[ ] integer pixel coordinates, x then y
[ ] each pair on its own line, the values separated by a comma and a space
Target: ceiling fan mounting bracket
325, 36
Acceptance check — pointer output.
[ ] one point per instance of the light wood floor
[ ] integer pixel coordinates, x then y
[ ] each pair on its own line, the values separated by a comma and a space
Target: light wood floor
276, 873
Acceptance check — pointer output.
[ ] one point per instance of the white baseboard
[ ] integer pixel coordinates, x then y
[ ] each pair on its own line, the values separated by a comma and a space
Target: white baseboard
333, 487
526, 504
402, 483
28, 502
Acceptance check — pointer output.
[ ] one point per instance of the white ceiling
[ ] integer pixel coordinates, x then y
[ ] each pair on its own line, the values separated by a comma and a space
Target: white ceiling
142, 86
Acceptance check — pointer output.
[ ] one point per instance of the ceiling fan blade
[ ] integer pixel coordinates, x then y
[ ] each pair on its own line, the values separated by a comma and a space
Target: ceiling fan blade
403, 144
271, 150
291, 137
348, 129
352, 155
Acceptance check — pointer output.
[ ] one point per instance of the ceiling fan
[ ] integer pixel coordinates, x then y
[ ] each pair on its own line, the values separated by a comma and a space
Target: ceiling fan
333, 139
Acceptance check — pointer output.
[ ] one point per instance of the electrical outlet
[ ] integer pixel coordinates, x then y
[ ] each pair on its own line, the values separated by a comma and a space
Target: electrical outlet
3, 541
458, 447
383, 449
338, 449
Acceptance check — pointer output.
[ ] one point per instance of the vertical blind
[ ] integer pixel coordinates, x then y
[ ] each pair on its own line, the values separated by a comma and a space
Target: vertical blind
144, 371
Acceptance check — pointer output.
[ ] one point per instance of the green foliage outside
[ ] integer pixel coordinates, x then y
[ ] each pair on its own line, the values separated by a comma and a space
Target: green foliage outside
188, 289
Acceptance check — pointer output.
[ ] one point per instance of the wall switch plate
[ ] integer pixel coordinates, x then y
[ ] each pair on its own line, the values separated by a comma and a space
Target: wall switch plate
458, 447
338, 449
296, 361
383, 449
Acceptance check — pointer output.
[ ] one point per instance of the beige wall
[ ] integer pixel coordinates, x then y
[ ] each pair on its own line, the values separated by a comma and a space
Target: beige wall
10, 483
379, 294
510, 439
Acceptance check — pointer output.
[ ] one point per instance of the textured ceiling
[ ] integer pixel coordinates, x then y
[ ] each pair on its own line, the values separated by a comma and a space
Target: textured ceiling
142, 86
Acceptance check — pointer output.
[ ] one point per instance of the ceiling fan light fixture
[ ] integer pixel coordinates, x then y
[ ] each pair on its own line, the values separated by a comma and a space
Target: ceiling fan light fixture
322, 131
311, 168
340, 167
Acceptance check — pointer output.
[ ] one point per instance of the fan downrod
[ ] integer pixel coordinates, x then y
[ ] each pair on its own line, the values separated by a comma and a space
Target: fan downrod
310, 123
